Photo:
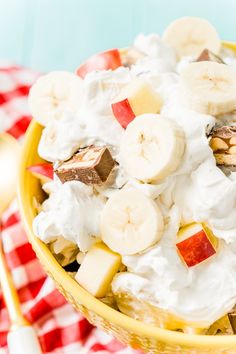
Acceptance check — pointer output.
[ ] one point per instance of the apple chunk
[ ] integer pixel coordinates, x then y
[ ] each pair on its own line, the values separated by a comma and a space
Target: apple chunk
110, 59
136, 98
98, 269
43, 171
195, 243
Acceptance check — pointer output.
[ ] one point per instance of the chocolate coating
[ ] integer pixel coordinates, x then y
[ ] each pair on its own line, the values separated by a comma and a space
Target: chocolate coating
207, 55
91, 165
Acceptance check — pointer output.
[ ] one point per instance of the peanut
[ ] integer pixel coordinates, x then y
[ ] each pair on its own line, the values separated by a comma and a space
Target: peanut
224, 159
232, 140
218, 144
232, 150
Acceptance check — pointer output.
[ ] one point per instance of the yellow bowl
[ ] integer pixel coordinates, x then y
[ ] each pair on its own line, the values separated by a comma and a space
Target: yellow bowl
129, 331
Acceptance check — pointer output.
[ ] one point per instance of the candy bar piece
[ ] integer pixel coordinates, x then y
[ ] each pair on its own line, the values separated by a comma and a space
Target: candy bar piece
91, 165
232, 319
207, 55
218, 144
223, 143
232, 141
225, 159
225, 132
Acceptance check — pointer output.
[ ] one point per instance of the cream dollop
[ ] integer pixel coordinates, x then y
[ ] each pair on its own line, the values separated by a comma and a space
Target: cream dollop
100, 88
153, 46
159, 58
71, 211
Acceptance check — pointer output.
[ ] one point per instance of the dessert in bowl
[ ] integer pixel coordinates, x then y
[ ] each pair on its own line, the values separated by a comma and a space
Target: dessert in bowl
139, 188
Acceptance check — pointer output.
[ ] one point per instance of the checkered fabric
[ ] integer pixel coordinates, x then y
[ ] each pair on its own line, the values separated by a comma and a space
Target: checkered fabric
60, 328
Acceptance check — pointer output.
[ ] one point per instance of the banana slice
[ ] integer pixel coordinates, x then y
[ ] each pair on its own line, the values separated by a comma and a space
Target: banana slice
190, 35
152, 148
209, 87
131, 222
54, 95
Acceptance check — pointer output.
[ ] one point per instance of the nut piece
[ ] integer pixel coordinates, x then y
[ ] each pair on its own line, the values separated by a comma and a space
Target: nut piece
218, 144
232, 140
223, 144
226, 160
225, 132
207, 55
91, 165
232, 150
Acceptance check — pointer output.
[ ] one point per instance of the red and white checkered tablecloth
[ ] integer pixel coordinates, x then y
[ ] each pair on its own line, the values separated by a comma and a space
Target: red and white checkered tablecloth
60, 328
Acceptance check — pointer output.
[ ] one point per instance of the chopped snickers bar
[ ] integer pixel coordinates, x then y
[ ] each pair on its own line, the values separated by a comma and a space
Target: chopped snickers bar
223, 144
207, 55
91, 165
225, 132
232, 319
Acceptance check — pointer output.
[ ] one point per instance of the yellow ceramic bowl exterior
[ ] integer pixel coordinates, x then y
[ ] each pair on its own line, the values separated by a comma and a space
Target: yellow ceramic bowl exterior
137, 334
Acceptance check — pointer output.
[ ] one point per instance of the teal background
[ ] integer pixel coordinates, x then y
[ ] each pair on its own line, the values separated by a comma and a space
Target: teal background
59, 34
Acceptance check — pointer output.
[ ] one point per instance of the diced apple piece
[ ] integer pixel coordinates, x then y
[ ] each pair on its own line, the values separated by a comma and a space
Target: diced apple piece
97, 270
123, 112
43, 171
136, 98
110, 59
195, 243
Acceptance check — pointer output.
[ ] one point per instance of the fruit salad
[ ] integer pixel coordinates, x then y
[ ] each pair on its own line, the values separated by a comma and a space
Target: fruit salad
140, 154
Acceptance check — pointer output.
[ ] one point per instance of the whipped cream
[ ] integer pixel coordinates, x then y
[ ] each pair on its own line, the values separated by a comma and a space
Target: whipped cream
154, 48
197, 191
71, 211
159, 58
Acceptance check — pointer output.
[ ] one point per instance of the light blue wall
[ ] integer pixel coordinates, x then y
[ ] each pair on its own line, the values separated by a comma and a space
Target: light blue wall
59, 34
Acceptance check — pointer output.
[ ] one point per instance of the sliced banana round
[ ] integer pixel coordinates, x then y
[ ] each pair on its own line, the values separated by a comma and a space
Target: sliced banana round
152, 148
54, 95
190, 35
209, 87
131, 222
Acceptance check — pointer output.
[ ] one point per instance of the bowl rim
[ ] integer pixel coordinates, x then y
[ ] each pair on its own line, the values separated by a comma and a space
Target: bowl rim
81, 295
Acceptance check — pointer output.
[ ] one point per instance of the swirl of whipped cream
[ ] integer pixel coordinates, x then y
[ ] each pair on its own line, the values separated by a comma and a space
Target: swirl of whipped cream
71, 211
100, 88
153, 46
159, 57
